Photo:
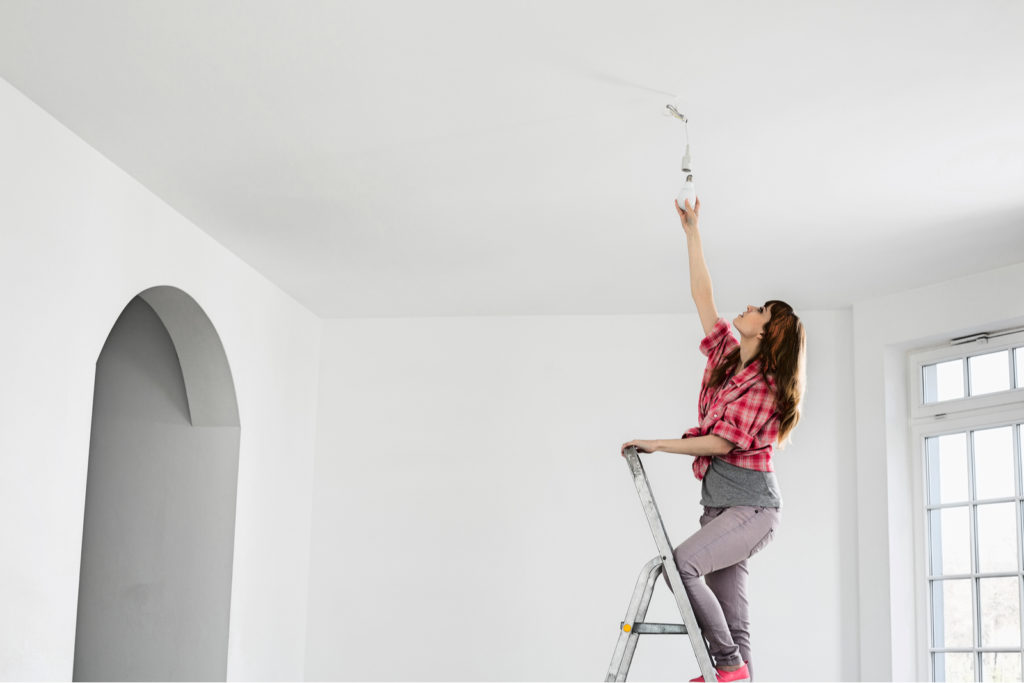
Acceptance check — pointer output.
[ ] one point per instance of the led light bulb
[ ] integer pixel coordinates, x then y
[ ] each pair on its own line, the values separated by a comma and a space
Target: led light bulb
688, 192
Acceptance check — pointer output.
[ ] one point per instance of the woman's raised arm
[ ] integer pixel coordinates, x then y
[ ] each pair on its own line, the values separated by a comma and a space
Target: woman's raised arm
700, 278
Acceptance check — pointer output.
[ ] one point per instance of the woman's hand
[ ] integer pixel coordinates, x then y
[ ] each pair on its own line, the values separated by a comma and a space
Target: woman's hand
641, 445
689, 215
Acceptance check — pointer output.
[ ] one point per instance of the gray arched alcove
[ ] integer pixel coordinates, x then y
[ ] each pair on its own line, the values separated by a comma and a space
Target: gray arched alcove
158, 538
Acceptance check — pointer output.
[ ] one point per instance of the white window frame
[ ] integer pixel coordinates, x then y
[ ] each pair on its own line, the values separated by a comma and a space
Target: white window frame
920, 412
949, 417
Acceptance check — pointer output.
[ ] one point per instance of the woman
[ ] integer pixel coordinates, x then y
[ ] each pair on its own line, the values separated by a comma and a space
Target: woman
751, 395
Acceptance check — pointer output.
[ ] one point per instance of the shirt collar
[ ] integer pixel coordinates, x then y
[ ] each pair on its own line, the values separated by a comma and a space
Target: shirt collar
751, 371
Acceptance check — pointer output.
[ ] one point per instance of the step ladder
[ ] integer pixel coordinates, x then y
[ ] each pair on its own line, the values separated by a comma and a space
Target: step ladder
633, 626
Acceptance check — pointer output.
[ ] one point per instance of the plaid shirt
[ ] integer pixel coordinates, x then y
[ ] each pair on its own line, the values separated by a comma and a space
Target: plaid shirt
741, 410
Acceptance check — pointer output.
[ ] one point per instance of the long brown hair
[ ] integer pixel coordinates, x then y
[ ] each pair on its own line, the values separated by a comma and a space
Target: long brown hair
783, 356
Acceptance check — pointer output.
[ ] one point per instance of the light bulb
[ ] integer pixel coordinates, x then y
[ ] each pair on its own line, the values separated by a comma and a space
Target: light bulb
688, 192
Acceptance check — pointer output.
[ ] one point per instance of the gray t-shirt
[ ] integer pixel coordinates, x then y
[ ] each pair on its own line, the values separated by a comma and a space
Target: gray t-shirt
726, 485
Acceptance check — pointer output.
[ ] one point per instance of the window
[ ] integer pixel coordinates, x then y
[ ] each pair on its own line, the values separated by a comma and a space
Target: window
968, 427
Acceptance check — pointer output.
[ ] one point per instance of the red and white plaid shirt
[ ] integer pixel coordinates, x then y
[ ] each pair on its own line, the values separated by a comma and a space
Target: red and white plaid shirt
741, 410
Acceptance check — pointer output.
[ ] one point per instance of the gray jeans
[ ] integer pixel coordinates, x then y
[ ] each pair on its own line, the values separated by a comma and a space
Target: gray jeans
719, 551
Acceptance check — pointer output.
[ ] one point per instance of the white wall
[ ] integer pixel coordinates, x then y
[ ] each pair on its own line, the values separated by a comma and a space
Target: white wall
885, 329
80, 240
473, 518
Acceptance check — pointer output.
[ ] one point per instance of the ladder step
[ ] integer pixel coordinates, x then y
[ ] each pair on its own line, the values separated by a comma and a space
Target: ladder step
649, 627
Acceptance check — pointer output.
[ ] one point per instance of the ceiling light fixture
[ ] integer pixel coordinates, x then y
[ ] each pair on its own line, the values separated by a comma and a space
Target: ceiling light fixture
688, 191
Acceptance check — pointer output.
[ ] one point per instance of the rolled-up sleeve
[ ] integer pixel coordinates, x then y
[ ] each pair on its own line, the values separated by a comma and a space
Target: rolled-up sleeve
720, 341
746, 418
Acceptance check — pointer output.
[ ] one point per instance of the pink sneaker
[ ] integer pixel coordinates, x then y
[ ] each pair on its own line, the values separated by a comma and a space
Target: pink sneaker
724, 676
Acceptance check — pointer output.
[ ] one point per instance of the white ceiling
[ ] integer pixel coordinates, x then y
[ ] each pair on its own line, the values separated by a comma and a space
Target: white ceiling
492, 158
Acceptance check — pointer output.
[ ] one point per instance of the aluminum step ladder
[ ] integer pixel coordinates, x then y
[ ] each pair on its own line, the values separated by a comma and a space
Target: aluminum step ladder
633, 626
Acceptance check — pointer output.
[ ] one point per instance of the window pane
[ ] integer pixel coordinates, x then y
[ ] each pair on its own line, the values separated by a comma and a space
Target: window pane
953, 614
944, 381
947, 468
1000, 666
954, 666
997, 537
950, 541
1000, 612
989, 372
993, 463
1019, 362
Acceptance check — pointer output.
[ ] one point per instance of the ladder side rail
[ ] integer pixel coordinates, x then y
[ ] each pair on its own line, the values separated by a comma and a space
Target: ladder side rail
643, 488
636, 613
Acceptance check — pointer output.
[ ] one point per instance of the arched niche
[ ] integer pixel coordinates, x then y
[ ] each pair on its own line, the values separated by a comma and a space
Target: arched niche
204, 365
158, 533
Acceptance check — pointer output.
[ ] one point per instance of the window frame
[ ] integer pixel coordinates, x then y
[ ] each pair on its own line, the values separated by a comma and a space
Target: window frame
920, 411
952, 417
